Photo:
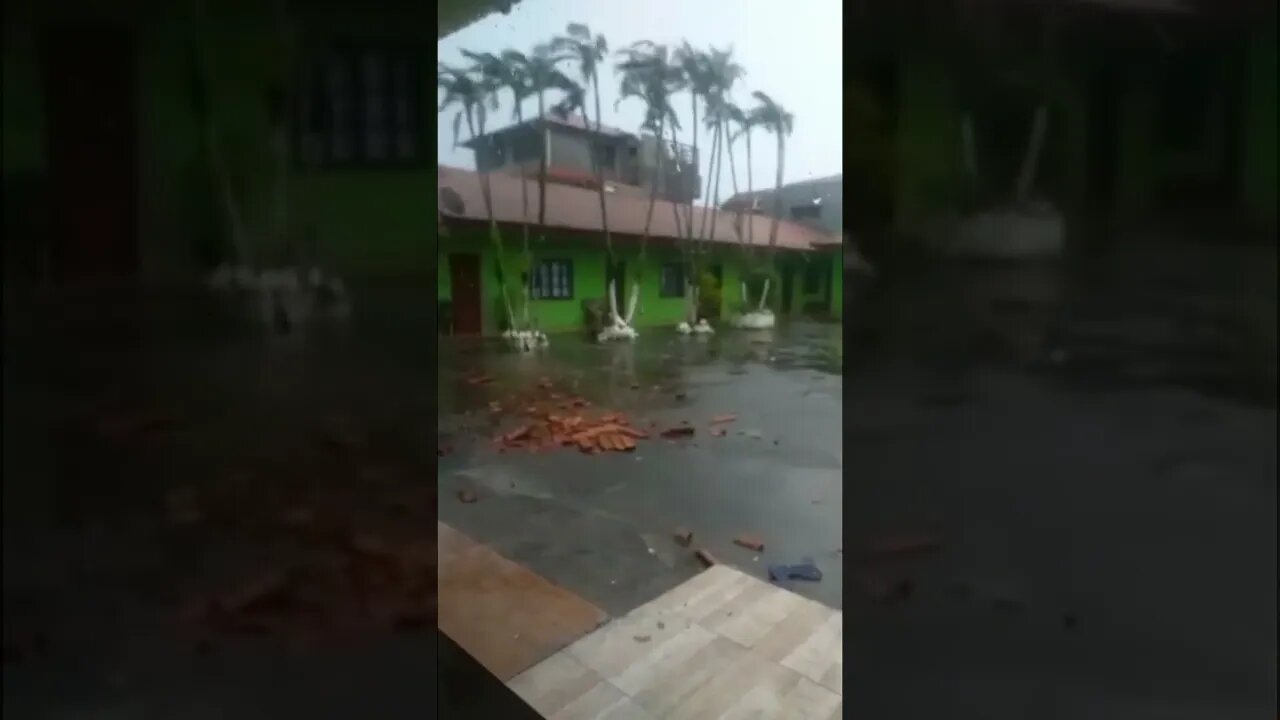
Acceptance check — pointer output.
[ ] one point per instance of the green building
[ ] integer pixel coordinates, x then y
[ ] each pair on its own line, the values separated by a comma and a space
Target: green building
570, 267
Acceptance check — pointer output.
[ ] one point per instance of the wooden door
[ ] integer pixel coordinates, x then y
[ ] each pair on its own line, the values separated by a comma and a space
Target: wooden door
91, 126
464, 273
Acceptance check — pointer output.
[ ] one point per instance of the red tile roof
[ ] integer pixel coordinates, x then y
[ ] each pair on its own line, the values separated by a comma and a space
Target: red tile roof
576, 208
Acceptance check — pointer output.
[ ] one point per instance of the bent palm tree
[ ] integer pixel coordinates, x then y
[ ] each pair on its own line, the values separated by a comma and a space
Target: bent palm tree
509, 72
775, 119
724, 73
470, 92
543, 75
589, 52
649, 75
744, 121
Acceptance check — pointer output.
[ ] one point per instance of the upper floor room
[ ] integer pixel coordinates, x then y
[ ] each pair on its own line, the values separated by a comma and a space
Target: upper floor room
568, 144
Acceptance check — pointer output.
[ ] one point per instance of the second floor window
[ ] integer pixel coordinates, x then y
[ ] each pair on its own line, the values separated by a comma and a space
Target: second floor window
361, 107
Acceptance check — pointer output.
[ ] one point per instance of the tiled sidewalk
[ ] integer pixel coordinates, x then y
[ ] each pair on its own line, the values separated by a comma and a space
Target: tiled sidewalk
721, 645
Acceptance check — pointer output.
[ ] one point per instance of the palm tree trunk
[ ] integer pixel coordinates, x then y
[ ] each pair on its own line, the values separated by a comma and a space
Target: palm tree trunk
777, 191
711, 172
527, 285
699, 241
544, 144
599, 168
697, 160
684, 228
681, 224
648, 223
715, 192
495, 235
738, 220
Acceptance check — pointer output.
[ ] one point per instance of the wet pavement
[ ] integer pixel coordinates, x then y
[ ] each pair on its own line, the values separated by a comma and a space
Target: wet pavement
602, 525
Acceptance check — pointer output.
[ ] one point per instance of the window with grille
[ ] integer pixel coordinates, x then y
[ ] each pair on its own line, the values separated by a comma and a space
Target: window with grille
671, 281
361, 107
552, 280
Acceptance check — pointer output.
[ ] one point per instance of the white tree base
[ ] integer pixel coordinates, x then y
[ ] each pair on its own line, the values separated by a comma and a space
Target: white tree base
619, 330
754, 320
683, 328
526, 340
703, 328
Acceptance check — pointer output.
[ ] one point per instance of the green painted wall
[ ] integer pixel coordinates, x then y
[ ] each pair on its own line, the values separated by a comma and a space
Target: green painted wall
1258, 165
589, 280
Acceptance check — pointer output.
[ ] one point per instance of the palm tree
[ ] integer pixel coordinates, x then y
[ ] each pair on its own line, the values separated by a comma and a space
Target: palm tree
775, 119
509, 72
711, 76
746, 122
723, 72
541, 70
649, 75
471, 90
700, 84
589, 52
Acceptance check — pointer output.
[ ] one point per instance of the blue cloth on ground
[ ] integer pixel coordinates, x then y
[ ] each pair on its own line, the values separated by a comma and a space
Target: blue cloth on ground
804, 570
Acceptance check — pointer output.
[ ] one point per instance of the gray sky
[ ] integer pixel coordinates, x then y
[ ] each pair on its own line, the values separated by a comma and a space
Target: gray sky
791, 50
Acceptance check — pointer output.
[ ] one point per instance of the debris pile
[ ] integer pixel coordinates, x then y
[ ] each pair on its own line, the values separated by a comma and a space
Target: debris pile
547, 430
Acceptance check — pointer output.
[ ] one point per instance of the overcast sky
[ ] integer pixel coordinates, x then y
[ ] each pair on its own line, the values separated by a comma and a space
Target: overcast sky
790, 50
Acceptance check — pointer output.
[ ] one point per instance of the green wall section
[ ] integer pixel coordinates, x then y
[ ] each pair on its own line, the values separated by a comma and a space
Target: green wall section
589, 280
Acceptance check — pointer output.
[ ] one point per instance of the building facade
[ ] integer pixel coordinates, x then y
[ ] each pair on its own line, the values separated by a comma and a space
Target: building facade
819, 202
568, 143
